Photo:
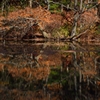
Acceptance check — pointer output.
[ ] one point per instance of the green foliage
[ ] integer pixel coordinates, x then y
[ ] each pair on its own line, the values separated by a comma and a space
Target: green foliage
65, 78
98, 29
65, 47
62, 32
54, 7
54, 76
65, 2
12, 8
5, 78
24, 3
57, 6
9, 6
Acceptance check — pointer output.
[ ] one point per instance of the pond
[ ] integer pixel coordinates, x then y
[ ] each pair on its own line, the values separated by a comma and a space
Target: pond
49, 71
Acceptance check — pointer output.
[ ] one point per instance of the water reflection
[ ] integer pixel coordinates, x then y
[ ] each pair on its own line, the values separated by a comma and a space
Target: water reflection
49, 71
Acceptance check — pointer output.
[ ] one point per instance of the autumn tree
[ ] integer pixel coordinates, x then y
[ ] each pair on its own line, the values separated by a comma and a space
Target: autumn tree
80, 6
77, 6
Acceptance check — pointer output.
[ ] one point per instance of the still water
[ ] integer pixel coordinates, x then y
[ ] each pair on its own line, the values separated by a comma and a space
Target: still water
49, 71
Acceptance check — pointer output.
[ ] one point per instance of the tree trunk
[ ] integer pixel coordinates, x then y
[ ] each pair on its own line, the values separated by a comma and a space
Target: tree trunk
48, 2
76, 17
81, 3
30, 3
2, 8
75, 2
73, 33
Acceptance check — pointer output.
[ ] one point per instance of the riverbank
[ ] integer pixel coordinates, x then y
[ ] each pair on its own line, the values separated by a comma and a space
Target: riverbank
39, 24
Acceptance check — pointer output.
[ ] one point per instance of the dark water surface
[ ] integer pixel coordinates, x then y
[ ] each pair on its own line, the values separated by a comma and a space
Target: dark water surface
49, 71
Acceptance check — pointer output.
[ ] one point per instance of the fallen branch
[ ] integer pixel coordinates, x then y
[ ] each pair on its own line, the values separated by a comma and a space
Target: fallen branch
79, 35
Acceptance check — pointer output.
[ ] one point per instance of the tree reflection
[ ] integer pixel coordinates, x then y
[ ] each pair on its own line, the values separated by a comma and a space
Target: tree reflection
70, 72
84, 63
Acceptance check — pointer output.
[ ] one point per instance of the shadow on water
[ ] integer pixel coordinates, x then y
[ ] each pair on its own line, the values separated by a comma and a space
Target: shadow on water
49, 71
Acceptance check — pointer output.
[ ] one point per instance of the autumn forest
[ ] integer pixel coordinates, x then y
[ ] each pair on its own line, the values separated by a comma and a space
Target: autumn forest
50, 50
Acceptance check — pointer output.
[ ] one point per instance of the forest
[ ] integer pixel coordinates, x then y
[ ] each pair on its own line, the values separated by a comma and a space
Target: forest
64, 20
50, 50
